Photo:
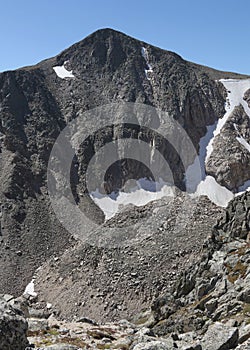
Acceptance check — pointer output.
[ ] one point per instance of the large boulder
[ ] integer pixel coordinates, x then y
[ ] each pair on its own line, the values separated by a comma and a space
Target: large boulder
220, 337
154, 345
13, 328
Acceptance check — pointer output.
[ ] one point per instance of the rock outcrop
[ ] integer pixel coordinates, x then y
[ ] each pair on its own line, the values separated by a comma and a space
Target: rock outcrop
229, 162
13, 327
212, 297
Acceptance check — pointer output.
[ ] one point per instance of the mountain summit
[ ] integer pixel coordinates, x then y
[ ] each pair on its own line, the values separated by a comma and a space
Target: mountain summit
38, 102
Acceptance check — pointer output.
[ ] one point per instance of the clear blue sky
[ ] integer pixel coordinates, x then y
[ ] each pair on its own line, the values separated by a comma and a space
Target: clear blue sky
211, 32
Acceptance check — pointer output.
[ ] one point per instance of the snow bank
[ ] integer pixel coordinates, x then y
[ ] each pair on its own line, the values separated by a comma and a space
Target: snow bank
196, 171
30, 289
218, 194
144, 192
62, 72
197, 182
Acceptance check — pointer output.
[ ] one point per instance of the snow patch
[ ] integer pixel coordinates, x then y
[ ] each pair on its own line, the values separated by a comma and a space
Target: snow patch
244, 142
142, 193
148, 71
196, 171
218, 194
62, 72
30, 289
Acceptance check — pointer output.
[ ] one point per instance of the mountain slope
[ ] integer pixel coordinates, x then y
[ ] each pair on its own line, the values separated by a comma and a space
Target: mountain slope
36, 103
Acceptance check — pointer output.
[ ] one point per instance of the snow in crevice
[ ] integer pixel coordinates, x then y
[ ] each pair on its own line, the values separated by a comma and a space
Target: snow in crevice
149, 69
241, 139
62, 72
208, 186
193, 177
198, 183
236, 89
243, 142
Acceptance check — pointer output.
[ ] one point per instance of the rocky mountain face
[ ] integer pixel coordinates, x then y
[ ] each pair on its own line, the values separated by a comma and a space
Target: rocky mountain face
141, 254
230, 159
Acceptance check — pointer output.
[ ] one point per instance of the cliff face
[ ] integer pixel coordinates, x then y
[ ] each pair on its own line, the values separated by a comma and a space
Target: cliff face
36, 104
229, 162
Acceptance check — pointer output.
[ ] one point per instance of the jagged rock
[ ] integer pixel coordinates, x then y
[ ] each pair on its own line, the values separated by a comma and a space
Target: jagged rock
188, 341
244, 333
245, 346
220, 337
8, 297
155, 345
13, 328
245, 295
211, 306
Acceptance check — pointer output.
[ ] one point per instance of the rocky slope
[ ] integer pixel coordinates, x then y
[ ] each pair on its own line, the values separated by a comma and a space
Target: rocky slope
207, 308
106, 282
35, 106
141, 253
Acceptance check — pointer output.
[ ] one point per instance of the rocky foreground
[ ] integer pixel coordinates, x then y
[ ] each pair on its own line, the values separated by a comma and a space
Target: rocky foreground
208, 308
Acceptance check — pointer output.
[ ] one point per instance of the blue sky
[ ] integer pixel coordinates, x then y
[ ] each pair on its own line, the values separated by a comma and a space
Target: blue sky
212, 32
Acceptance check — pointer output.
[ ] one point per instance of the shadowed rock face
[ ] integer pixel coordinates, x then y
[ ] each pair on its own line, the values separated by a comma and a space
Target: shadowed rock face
35, 105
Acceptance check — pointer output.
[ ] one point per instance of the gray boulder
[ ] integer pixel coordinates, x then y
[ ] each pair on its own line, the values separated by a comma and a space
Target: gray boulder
155, 345
220, 337
13, 328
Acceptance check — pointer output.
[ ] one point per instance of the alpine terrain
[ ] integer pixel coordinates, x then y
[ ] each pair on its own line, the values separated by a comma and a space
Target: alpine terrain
124, 202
